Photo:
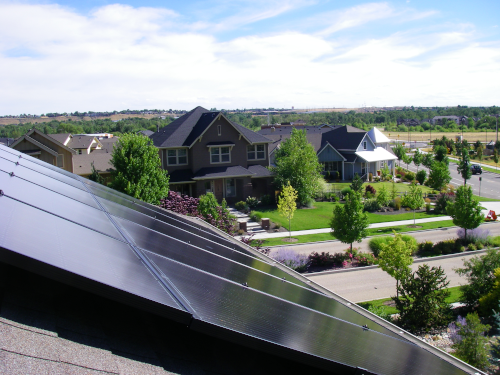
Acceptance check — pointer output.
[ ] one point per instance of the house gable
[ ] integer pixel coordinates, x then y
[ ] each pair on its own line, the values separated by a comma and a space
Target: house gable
366, 144
329, 153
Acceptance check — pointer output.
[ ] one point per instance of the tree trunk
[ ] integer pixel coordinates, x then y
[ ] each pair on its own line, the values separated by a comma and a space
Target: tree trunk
289, 229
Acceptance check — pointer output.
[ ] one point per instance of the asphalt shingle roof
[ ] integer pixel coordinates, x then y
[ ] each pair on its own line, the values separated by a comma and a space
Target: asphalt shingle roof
80, 141
221, 172
59, 137
259, 171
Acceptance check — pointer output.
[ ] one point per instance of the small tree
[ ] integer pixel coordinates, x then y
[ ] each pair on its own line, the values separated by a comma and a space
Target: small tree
463, 166
138, 170
439, 175
428, 160
383, 196
421, 299
421, 176
465, 211
349, 222
414, 199
357, 183
479, 151
441, 154
400, 152
473, 346
287, 205
95, 176
407, 159
480, 274
495, 157
395, 258
418, 158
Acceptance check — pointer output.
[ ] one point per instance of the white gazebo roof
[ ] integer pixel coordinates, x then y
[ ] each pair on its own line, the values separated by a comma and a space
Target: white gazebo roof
377, 136
379, 154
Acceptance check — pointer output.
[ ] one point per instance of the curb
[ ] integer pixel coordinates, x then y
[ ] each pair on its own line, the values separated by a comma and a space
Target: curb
418, 260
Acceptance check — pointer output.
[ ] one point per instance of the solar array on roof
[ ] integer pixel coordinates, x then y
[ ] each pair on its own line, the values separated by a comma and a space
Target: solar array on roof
71, 229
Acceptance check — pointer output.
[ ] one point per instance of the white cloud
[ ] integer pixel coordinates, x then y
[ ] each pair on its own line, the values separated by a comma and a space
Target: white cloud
121, 57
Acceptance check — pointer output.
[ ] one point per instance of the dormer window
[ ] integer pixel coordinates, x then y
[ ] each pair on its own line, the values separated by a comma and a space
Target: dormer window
219, 130
256, 152
177, 157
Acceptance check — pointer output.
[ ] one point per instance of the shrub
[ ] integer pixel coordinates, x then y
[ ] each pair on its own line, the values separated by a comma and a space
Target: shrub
398, 175
411, 241
277, 225
421, 176
241, 206
425, 247
375, 242
397, 203
444, 247
257, 244
371, 205
381, 312
442, 201
267, 200
345, 191
472, 247
370, 189
327, 259
309, 203
474, 235
409, 176
479, 272
252, 202
479, 245
241, 232
473, 346
255, 216
365, 259
288, 257
181, 204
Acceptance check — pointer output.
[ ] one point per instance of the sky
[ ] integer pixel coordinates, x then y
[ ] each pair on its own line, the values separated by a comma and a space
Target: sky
99, 55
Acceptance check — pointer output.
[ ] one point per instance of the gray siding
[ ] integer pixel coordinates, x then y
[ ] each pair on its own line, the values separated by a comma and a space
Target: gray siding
329, 154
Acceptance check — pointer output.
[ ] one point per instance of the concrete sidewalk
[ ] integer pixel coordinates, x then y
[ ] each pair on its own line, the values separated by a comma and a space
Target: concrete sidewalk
495, 206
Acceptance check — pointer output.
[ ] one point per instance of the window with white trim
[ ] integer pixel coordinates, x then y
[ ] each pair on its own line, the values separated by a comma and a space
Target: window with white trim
220, 155
177, 157
60, 161
230, 187
256, 152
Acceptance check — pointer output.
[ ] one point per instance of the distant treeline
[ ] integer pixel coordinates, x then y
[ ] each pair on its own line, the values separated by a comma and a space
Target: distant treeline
128, 125
484, 119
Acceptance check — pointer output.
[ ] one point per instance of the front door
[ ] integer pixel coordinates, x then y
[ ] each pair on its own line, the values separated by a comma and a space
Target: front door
219, 189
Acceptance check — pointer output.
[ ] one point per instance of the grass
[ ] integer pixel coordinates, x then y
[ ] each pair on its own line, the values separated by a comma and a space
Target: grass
400, 187
455, 295
372, 232
319, 217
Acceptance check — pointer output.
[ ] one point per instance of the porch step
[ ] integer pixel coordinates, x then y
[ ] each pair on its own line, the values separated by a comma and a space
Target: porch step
252, 226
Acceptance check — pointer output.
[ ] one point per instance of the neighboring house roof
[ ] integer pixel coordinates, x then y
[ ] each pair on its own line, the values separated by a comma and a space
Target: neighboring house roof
82, 142
184, 131
344, 138
125, 287
377, 136
147, 133
7, 141
82, 164
259, 171
222, 172
61, 138
28, 135
378, 154
181, 176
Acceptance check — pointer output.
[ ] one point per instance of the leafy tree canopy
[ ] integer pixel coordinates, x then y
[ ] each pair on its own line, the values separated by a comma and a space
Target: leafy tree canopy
465, 210
297, 163
439, 175
287, 205
137, 169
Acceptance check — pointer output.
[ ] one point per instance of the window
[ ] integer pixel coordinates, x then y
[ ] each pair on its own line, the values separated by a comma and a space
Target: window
364, 145
220, 155
177, 157
256, 152
219, 129
209, 186
60, 161
230, 187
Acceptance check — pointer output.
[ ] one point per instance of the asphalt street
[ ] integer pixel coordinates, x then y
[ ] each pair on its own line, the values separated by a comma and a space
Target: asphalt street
369, 284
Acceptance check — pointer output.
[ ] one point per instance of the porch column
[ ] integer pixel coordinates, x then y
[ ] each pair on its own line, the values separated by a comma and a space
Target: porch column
343, 175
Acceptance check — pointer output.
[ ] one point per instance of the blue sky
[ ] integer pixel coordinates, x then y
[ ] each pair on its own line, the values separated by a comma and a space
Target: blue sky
104, 55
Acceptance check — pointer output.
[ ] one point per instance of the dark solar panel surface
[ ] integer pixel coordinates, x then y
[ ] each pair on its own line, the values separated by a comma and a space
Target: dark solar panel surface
85, 229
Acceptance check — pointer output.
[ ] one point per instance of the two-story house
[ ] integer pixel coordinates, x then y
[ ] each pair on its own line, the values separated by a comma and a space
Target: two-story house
204, 152
344, 149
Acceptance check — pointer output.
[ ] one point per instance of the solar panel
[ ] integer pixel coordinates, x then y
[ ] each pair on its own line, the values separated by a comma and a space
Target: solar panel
75, 230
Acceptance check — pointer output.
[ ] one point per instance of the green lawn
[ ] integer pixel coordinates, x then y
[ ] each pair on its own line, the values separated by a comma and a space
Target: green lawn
319, 217
455, 296
400, 187
372, 232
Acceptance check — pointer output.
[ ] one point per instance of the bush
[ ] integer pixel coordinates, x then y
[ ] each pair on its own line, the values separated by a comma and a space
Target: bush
255, 216
288, 257
425, 247
442, 201
252, 202
473, 346
371, 205
365, 260
421, 176
375, 242
370, 189
345, 191
398, 175
309, 203
397, 203
327, 259
181, 204
474, 235
444, 247
479, 272
472, 247
381, 312
411, 241
241, 206
409, 176
267, 200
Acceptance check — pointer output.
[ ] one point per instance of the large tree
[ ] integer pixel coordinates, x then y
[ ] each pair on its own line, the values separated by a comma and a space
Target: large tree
137, 169
463, 166
349, 221
466, 210
297, 163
